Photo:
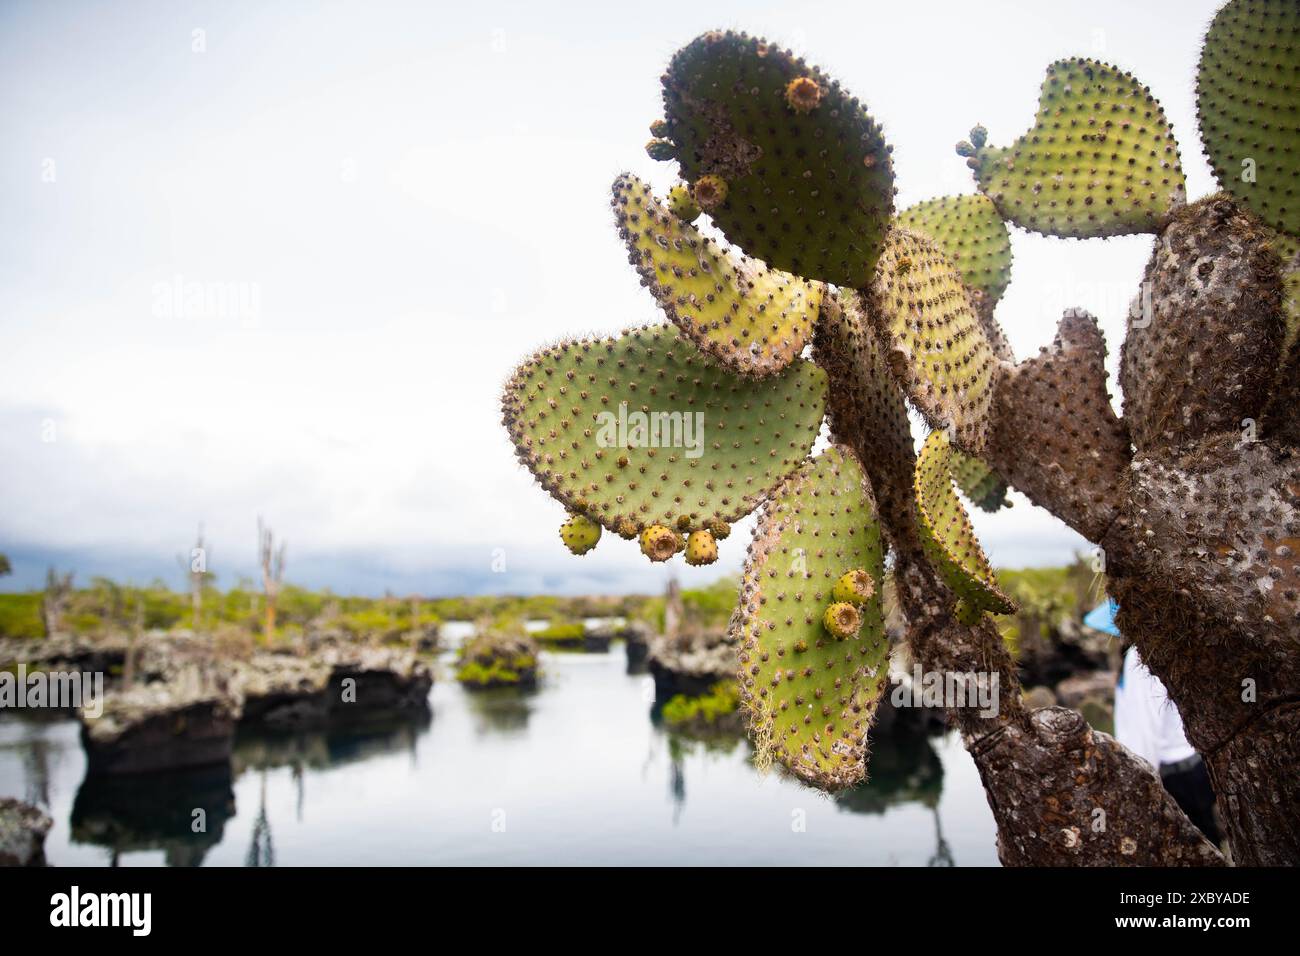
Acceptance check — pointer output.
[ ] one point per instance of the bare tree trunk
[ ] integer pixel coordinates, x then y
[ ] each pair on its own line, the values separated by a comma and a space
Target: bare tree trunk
1198, 516
54, 604
135, 631
272, 561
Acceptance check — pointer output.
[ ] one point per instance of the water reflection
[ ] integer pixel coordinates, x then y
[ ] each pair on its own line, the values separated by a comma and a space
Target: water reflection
579, 771
182, 813
500, 710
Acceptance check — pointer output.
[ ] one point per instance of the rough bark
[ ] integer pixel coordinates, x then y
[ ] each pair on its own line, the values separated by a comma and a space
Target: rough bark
1054, 434
1201, 529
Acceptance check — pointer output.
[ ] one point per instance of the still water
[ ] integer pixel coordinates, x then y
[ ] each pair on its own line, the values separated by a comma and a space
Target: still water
579, 771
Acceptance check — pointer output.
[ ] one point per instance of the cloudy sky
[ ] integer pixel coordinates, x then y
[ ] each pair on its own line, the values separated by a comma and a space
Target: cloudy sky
278, 259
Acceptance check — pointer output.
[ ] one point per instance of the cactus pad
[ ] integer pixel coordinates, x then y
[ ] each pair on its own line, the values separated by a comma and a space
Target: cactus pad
983, 486
643, 429
1100, 160
1248, 104
947, 534
971, 233
810, 184
811, 697
752, 319
937, 348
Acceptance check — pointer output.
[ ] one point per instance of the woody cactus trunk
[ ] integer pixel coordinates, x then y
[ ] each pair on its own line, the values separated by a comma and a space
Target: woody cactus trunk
826, 303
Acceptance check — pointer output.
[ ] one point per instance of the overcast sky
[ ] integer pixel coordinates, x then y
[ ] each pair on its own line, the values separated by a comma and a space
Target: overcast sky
386, 206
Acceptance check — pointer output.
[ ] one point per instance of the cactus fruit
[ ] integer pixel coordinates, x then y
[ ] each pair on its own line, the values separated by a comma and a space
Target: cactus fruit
1248, 105
854, 587
709, 192
580, 534
751, 319
937, 348
972, 234
701, 548
810, 186
803, 94
1100, 160
659, 543
982, 486
698, 440
842, 620
661, 150
719, 529
811, 698
682, 205
947, 534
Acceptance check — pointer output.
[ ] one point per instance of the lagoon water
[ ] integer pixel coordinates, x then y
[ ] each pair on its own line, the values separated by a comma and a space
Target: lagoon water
579, 771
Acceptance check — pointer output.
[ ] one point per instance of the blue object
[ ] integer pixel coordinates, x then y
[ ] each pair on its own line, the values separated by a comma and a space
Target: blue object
1102, 618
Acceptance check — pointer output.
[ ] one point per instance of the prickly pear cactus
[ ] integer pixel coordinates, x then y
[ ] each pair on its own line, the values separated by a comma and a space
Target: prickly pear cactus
1248, 104
971, 233
643, 430
938, 351
807, 179
811, 693
949, 538
1100, 159
752, 319
985, 488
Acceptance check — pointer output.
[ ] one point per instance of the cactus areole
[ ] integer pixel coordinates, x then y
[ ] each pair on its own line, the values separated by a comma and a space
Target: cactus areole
668, 434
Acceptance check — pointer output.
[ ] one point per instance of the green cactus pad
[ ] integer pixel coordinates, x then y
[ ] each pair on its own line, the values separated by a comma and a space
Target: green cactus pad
1288, 250
972, 234
810, 183
810, 697
643, 429
983, 486
1100, 160
947, 535
1248, 105
938, 351
752, 319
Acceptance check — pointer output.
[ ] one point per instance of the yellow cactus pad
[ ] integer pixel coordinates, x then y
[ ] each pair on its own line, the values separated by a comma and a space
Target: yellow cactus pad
1100, 159
947, 534
752, 319
938, 350
971, 233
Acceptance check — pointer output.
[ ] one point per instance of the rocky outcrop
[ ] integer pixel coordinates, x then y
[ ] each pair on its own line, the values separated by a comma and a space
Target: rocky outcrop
161, 726
22, 833
65, 652
366, 682
491, 660
690, 662
1069, 649
184, 710
283, 691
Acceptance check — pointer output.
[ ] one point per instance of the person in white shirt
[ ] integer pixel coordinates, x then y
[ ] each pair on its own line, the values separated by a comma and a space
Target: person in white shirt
1148, 723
